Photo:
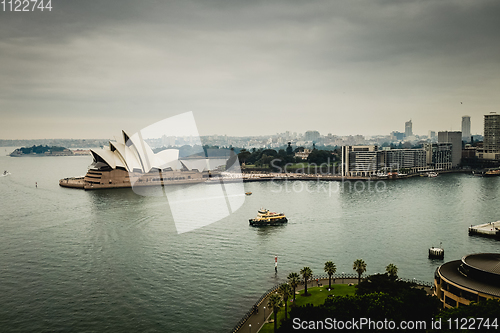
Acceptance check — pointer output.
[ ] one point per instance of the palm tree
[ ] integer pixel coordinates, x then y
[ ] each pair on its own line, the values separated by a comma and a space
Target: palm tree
275, 304
306, 273
392, 270
360, 267
293, 280
285, 290
330, 269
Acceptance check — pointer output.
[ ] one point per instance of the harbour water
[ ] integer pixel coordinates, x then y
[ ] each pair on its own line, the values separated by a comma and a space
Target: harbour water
110, 260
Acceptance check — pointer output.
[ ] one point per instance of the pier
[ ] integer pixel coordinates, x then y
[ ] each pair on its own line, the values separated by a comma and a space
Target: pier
491, 229
436, 252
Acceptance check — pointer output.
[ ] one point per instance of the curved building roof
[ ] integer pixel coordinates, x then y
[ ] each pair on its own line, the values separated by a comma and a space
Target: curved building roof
487, 262
479, 272
132, 153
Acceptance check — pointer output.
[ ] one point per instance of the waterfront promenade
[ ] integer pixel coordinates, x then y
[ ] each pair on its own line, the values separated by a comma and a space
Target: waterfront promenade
270, 176
257, 319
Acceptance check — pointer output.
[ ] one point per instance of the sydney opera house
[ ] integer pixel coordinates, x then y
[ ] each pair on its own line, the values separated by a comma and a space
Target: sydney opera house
131, 162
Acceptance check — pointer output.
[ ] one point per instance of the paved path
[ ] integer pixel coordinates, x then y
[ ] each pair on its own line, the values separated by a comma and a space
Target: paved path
255, 322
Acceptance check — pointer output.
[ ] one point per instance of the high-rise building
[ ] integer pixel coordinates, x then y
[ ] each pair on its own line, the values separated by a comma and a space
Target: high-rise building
491, 141
491, 133
312, 136
408, 129
397, 136
466, 128
455, 138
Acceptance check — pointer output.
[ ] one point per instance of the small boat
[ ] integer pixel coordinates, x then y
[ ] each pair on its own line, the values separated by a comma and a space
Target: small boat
487, 173
432, 174
492, 173
265, 218
5, 173
248, 193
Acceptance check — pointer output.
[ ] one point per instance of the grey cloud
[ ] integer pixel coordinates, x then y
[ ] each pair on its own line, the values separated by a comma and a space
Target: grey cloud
235, 57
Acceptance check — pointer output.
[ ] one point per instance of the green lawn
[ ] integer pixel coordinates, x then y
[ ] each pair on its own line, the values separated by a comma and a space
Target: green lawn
318, 297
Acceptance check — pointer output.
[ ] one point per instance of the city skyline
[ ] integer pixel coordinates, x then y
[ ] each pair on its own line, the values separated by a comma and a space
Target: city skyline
302, 135
89, 71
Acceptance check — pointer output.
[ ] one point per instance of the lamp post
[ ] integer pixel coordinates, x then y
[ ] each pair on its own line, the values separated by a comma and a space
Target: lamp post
342, 277
264, 315
250, 327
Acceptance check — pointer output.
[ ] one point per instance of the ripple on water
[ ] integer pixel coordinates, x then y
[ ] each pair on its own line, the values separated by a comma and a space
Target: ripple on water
113, 261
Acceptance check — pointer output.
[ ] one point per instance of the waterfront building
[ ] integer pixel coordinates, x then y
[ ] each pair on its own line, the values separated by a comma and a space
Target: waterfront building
466, 128
492, 132
438, 155
412, 160
360, 160
455, 138
408, 129
491, 141
474, 278
366, 161
468, 152
130, 160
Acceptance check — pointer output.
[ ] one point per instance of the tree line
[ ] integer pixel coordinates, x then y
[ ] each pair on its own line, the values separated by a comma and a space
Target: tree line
276, 160
39, 149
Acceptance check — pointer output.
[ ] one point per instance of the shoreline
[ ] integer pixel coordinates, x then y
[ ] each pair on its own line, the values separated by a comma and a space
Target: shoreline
246, 177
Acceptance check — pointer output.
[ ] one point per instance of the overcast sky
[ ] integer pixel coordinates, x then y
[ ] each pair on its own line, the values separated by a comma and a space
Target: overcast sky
89, 69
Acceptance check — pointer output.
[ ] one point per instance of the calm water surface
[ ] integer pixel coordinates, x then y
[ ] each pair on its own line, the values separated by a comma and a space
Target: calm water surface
111, 260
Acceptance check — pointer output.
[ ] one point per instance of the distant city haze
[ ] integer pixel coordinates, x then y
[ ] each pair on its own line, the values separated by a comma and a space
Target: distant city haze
85, 70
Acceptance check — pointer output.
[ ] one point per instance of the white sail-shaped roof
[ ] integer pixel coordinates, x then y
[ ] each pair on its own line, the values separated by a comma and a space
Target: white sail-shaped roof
127, 155
107, 155
134, 154
167, 158
145, 153
199, 164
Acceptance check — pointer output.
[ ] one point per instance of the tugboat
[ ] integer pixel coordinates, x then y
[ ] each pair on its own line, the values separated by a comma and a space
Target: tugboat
265, 218
5, 173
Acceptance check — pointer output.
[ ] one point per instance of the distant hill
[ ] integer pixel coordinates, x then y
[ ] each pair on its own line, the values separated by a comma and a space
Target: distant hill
41, 151
68, 143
